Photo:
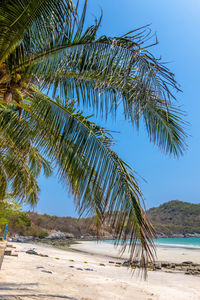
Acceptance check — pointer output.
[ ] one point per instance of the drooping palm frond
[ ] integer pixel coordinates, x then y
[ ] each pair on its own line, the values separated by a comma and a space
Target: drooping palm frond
110, 61
38, 163
67, 48
16, 16
102, 72
20, 161
165, 127
101, 182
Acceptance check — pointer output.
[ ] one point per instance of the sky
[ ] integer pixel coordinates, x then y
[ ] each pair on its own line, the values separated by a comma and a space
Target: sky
177, 26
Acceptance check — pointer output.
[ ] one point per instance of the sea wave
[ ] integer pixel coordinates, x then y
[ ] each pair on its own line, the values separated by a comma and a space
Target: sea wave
185, 246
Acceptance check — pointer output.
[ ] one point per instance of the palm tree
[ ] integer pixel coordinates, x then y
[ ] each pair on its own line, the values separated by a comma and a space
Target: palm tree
48, 58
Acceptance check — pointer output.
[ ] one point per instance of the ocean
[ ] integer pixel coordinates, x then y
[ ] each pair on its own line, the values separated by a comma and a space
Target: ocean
188, 242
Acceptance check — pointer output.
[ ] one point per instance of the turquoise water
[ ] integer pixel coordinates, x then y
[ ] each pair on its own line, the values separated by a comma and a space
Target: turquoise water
190, 242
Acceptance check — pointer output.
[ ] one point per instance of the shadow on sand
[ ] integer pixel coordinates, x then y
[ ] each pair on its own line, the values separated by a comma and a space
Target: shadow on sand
29, 288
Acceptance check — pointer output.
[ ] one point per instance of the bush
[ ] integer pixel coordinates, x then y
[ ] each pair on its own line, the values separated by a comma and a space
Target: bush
43, 234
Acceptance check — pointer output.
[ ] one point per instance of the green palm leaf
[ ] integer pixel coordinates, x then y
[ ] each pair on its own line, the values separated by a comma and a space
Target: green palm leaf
102, 72
100, 180
21, 162
16, 16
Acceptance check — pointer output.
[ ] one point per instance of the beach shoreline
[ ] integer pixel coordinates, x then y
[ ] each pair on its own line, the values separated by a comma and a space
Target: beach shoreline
85, 276
165, 253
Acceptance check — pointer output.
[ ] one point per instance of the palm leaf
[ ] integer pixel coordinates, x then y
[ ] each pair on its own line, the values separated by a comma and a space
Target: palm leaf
102, 72
21, 162
165, 127
93, 170
16, 16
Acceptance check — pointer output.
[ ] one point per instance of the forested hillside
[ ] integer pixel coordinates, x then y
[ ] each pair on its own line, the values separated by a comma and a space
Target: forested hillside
176, 217
173, 217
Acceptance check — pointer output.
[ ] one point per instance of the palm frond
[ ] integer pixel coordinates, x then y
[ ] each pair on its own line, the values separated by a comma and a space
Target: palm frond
38, 163
16, 16
21, 162
103, 72
166, 127
67, 48
99, 179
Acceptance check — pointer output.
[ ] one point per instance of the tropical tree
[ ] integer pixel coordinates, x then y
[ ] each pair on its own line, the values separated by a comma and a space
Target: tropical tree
10, 213
48, 58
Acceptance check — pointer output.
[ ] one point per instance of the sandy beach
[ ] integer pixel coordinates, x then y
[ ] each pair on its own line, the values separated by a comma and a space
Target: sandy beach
76, 275
164, 253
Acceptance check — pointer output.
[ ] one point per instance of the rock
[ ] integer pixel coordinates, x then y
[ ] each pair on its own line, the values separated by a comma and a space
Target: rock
178, 235
195, 273
158, 265
184, 268
46, 271
101, 264
126, 263
192, 272
178, 268
164, 264
129, 263
43, 255
178, 265
31, 252
10, 246
59, 235
188, 273
187, 263
22, 239
14, 254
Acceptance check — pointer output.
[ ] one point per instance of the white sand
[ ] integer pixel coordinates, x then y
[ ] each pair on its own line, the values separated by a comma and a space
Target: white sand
172, 254
22, 278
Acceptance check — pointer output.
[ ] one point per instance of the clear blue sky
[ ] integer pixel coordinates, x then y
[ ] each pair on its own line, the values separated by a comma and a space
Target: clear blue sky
177, 24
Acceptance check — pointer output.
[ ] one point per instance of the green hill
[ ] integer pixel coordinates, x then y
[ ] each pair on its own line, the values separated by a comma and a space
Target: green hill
173, 217
176, 217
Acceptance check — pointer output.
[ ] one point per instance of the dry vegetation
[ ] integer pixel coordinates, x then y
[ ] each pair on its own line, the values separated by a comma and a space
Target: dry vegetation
174, 217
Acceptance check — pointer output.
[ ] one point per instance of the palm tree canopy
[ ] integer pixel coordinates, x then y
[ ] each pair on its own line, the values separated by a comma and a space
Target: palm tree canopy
45, 52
